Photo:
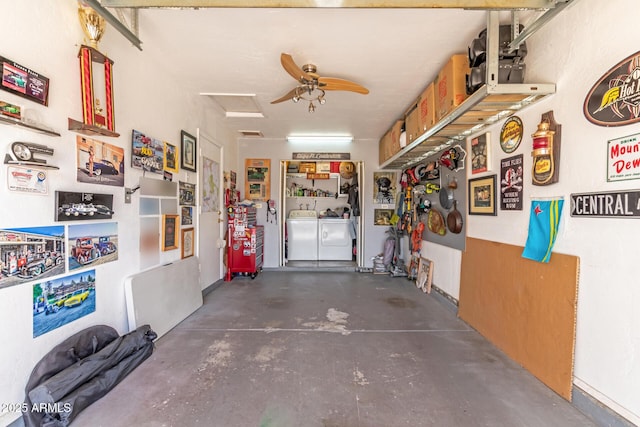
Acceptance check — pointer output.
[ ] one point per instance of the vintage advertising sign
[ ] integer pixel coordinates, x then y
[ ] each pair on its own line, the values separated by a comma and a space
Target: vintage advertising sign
24, 82
612, 204
511, 134
511, 183
321, 156
623, 158
615, 99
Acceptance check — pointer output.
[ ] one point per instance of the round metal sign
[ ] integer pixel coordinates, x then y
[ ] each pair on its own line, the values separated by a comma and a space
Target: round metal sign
511, 134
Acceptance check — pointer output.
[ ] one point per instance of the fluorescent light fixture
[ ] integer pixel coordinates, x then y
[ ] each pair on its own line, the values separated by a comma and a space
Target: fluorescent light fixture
320, 139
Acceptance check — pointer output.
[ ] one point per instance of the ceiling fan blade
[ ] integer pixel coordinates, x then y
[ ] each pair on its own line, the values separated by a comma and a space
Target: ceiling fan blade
287, 97
332, 83
293, 70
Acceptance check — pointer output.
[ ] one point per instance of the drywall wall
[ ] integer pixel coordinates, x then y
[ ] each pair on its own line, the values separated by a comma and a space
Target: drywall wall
45, 36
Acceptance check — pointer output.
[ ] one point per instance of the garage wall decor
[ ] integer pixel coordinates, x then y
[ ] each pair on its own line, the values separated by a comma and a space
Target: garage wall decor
92, 244
50, 299
147, 153
24, 82
99, 162
73, 206
257, 179
27, 253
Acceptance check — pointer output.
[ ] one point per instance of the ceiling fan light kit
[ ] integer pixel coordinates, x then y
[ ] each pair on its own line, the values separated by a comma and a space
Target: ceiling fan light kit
311, 87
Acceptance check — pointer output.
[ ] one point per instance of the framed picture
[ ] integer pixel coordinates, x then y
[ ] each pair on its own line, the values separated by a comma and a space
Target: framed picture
170, 158
384, 184
188, 149
425, 275
187, 193
73, 206
187, 215
188, 242
147, 153
382, 216
169, 232
258, 179
23, 82
482, 195
479, 147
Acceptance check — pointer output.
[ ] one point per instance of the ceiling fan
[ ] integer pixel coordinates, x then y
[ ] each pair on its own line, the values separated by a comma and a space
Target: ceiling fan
311, 87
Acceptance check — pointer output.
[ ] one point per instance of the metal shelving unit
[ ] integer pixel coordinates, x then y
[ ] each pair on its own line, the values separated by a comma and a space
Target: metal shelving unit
35, 127
489, 104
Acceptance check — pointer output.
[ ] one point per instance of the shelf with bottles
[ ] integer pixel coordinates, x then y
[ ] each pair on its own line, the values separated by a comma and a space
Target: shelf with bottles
302, 185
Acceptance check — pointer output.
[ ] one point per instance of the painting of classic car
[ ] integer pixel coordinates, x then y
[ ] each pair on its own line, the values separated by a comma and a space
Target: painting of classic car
63, 300
92, 244
72, 206
30, 253
99, 162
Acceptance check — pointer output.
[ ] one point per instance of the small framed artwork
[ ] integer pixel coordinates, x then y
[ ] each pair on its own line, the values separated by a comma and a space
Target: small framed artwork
187, 215
24, 82
74, 206
482, 195
188, 149
425, 275
170, 158
169, 232
187, 193
382, 216
479, 147
188, 242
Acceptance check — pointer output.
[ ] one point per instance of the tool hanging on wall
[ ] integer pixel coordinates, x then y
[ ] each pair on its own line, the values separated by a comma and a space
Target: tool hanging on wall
272, 212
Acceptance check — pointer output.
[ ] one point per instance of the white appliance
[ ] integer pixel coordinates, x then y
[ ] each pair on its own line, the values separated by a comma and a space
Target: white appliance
302, 235
334, 239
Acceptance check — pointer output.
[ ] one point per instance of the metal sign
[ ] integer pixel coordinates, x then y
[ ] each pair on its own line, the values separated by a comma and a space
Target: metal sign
615, 99
612, 204
321, 156
623, 158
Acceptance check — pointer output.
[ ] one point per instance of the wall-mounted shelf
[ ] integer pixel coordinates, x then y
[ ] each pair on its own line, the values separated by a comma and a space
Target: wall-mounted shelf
90, 130
488, 105
35, 127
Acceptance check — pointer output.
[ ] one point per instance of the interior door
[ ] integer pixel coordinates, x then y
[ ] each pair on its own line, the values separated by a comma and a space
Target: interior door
210, 221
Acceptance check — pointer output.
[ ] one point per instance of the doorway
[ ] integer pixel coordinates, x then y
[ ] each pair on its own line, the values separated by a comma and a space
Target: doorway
318, 226
210, 222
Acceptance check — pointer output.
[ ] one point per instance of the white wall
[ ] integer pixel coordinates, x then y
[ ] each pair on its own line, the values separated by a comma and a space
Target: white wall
277, 150
574, 51
45, 36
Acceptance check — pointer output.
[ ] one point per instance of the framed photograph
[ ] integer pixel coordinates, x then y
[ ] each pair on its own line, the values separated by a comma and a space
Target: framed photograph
169, 232
258, 179
170, 158
482, 195
188, 242
384, 185
187, 193
188, 149
425, 275
187, 215
382, 216
479, 147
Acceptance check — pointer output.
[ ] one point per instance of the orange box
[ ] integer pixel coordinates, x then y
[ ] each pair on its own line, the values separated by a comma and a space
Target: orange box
411, 123
450, 85
307, 167
427, 108
383, 147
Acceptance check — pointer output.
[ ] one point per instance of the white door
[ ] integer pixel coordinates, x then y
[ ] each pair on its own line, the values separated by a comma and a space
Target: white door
210, 221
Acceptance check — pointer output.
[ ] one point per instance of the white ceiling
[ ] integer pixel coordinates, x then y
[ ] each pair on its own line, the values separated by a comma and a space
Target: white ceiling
395, 53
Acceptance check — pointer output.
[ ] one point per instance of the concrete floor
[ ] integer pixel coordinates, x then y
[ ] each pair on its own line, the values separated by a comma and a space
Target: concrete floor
333, 349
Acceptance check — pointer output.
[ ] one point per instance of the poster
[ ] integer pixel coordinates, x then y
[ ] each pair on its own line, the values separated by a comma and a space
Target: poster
147, 153
99, 162
623, 158
27, 180
63, 300
511, 183
92, 244
257, 185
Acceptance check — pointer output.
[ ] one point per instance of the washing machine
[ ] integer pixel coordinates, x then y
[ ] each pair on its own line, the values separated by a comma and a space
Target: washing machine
302, 235
334, 239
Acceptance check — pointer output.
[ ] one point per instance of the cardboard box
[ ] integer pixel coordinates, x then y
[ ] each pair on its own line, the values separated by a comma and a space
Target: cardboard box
411, 123
427, 108
390, 142
293, 167
450, 85
307, 167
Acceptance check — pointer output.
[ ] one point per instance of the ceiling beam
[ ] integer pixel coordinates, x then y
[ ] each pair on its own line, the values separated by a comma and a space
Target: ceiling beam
383, 4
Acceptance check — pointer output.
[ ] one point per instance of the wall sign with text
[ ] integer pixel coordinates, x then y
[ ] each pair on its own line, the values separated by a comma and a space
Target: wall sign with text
612, 204
623, 158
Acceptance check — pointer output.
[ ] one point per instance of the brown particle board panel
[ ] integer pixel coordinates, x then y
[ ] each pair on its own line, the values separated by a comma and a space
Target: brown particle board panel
526, 308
